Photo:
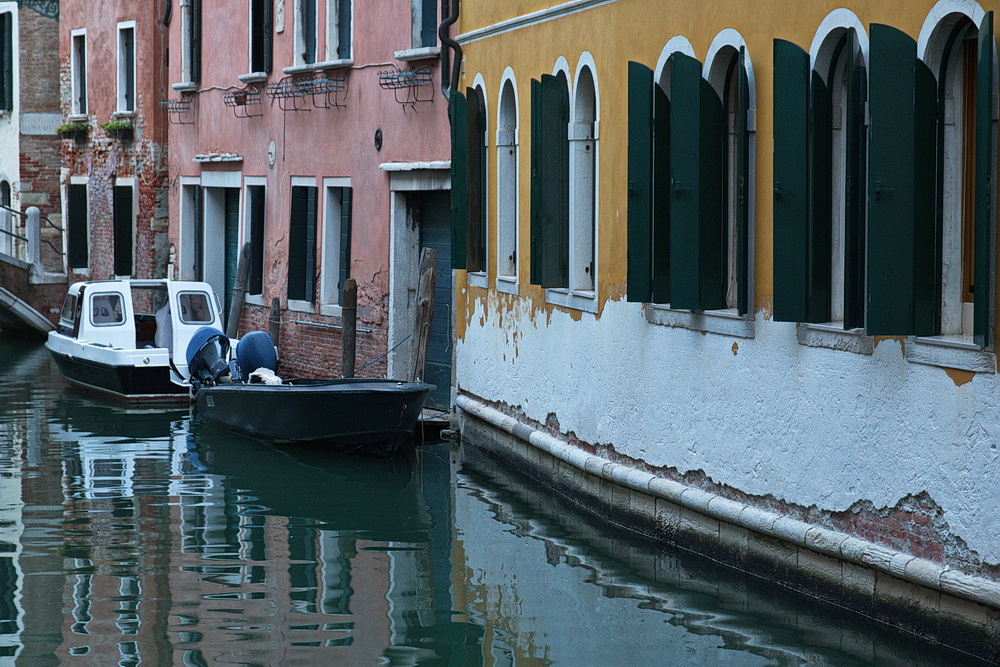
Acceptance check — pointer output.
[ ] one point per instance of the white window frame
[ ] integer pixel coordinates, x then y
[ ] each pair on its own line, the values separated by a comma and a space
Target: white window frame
306, 182
329, 294
300, 38
75, 180
508, 183
120, 108
479, 278
76, 112
128, 182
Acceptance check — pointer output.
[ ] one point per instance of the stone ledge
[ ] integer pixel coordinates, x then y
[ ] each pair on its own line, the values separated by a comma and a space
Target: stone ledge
831, 543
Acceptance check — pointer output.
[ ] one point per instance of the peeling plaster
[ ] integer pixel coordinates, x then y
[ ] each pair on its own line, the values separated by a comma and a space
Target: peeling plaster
811, 426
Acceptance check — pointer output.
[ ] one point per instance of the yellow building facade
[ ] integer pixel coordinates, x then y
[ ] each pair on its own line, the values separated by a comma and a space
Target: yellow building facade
726, 273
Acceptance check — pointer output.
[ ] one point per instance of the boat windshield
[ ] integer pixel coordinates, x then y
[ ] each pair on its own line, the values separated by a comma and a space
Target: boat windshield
67, 316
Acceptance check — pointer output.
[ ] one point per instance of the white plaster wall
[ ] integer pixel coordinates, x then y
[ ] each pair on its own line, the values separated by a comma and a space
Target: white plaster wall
10, 125
812, 426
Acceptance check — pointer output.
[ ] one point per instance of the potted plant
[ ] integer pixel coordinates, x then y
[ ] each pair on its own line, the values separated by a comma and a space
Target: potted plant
76, 130
121, 129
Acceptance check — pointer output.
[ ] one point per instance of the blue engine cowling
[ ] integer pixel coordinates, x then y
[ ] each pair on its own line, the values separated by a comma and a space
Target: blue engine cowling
206, 356
255, 350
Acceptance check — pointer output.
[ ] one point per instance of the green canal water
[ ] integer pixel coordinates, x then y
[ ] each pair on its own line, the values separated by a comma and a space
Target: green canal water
132, 536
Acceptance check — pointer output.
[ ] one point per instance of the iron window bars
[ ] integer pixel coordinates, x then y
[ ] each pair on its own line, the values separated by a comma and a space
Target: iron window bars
407, 85
177, 111
244, 101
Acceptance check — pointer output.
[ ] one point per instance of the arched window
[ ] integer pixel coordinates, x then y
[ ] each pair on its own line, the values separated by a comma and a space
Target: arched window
507, 184
583, 182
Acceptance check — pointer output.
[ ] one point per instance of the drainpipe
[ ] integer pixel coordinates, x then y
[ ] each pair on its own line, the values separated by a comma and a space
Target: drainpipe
449, 75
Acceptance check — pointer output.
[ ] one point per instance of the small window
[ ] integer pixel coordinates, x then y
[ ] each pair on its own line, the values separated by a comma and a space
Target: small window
126, 67
338, 29
424, 23
67, 317
195, 308
261, 35
191, 41
255, 222
305, 32
336, 243
78, 67
77, 226
106, 309
302, 244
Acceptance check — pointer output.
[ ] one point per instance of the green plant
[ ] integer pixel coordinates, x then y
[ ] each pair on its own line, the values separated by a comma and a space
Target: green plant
113, 126
78, 127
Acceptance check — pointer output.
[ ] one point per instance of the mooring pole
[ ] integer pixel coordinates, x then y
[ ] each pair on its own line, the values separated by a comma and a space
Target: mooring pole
239, 292
349, 332
424, 314
274, 322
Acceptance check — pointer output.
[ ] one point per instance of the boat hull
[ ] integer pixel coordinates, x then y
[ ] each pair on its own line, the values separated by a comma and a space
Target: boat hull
368, 417
123, 382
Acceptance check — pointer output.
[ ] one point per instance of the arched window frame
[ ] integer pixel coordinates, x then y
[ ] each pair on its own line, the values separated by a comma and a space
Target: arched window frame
584, 177
479, 218
508, 183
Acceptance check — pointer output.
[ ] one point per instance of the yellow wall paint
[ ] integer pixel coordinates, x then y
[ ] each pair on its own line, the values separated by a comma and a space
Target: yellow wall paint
615, 33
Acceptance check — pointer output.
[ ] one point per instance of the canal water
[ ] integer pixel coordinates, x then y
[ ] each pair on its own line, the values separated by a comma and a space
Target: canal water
133, 536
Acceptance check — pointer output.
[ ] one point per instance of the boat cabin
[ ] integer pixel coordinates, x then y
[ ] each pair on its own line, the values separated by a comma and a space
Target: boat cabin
156, 317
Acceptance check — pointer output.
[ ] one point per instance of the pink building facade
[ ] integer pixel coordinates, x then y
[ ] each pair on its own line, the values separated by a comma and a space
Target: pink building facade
316, 132
114, 169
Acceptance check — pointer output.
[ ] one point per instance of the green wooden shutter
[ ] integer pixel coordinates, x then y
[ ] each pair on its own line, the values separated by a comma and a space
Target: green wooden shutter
7, 54
267, 43
344, 29
346, 204
901, 214
743, 281
791, 182
661, 196
76, 243
428, 23
640, 182
308, 17
195, 43
854, 191
475, 131
459, 181
555, 182
255, 194
535, 259
123, 230
820, 234
984, 235
302, 244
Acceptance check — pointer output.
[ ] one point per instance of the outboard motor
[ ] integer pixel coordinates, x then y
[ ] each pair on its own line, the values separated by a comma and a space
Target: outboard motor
255, 350
206, 356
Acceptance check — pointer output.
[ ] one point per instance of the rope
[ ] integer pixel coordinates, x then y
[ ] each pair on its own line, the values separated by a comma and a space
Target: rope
408, 336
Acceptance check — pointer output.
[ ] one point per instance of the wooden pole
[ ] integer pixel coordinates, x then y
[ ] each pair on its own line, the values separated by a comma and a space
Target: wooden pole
274, 322
425, 312
239, 292
349, 332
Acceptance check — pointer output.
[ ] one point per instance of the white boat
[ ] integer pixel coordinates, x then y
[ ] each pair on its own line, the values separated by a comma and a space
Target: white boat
128, 338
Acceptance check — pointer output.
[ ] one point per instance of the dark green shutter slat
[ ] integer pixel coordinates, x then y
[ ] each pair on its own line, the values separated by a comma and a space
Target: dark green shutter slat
7, 53
256, 205
661, 196
555, 182
983, 244
345, 237
344, 29
854, 192
76, 244
640, 182
428, 23
535, 263
195, 44
308, 17
302, 244
791, 182
820, 233
123, 231
697, 241
459, 181
476, 154
310, 277
743, 281
901, 215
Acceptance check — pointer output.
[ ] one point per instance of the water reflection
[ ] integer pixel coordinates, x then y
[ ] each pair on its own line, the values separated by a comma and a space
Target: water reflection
133, 536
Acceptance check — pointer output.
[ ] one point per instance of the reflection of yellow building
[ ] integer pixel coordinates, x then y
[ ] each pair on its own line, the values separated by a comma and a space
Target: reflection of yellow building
747, 248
